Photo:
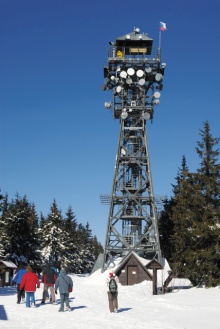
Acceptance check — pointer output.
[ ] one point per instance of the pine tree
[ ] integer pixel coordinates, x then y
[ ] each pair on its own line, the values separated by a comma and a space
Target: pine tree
97, 247
42, 220
206, 228
53, 238
87, 257
34, 252
1, 198
165, 226
3, 210
70, 223
20, 223
165, 221
175, 222
193, 215
70, 256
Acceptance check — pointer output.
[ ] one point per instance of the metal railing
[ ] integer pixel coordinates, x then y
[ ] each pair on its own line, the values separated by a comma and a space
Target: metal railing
132, 53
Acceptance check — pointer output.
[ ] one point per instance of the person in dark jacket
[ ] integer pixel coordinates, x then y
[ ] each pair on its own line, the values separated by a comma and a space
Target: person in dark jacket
57, 274
64, 283
49, 279
28, 283
17, 279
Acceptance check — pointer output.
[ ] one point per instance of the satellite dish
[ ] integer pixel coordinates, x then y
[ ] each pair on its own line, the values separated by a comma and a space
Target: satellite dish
156, 102
118, 89
124, 115
129, 81
146, 115
158, 77
107, 105
123, 74
157, 94
140, 73
141, 82
148, 70
130, 71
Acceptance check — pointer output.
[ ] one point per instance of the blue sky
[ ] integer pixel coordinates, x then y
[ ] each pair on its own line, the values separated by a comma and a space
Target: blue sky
57, 139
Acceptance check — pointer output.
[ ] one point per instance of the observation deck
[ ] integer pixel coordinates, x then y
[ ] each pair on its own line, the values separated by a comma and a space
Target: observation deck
128, 54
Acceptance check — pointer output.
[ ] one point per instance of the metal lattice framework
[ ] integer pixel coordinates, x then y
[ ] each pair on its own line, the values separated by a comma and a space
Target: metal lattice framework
134, 75
105, 200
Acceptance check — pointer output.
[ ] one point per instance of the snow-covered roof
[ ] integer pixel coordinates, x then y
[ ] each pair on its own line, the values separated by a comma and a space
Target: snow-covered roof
162, 274
179, 283
8, 264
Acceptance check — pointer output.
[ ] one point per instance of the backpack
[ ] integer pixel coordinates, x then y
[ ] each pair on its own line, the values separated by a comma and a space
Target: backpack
112, 285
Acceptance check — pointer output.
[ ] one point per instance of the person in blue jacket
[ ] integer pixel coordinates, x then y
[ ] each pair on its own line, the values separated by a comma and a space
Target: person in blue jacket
17, 279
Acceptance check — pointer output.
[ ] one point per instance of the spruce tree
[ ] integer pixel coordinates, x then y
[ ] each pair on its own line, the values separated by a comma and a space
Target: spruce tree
97, 247
42, 220
70, 222
206, 228
34, 252
70, 255
193, 215
165, 221
176, 221
3, 234
20, 223
87, 257
53, 238
1, 198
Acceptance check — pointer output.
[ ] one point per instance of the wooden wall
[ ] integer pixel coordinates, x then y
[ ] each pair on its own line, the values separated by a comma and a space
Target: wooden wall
132, 272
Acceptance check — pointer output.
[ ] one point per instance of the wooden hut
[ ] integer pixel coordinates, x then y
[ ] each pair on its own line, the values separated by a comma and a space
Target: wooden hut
7, 271
132, 270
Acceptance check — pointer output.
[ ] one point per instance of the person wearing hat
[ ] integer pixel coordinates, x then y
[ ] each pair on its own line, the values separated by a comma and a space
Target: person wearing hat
65, 285
112, 295
29, 283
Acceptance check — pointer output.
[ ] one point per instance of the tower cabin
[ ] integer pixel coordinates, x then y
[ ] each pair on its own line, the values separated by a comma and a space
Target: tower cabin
130, 45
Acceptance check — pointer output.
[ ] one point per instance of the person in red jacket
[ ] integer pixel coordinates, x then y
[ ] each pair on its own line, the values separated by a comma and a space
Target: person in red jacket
28, 283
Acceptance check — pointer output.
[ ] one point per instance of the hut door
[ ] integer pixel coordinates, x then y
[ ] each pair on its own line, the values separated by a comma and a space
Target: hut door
132, 275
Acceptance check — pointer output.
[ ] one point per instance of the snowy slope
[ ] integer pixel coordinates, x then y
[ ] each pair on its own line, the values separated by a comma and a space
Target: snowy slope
194, 308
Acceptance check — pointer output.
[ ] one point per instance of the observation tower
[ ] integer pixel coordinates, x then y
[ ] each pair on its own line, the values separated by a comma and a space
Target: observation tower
134, 75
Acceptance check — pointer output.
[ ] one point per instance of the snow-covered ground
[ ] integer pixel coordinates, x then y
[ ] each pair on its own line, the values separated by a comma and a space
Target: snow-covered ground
194, 308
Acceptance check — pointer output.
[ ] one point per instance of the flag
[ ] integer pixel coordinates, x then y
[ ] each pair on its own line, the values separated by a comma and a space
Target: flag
163, 26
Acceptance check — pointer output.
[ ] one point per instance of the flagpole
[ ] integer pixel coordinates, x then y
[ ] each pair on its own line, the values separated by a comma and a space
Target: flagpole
162, 28
159, 41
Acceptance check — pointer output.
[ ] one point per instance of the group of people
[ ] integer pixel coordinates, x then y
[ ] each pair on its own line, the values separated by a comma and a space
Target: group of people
27, 281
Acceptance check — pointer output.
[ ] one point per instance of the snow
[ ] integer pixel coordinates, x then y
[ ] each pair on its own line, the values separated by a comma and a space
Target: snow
192, 308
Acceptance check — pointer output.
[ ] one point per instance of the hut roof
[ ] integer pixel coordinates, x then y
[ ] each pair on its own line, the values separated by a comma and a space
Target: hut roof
7, 264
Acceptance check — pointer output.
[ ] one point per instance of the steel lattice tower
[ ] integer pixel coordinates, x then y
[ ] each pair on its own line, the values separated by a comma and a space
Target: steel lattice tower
134, 75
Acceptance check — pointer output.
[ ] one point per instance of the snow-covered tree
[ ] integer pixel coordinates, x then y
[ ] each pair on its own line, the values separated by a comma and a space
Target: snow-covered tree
20, 225
70, 256
53, 237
